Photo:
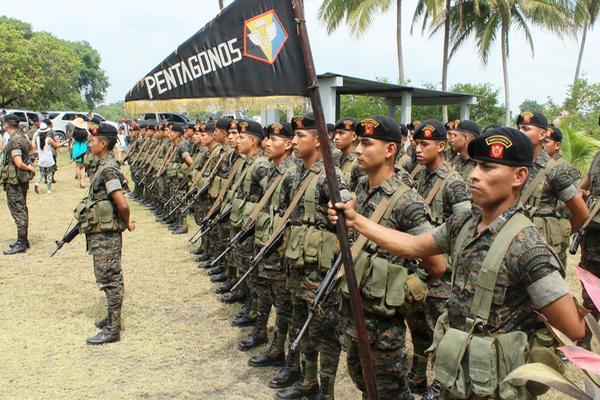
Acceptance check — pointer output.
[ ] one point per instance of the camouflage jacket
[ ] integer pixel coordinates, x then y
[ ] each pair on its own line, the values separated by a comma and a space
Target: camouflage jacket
252, 187
464, 166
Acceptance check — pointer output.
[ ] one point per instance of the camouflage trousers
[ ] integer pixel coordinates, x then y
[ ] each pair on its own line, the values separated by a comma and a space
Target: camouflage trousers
16, 198
241, 255
388, 349
320, 339
590, 261
272, 290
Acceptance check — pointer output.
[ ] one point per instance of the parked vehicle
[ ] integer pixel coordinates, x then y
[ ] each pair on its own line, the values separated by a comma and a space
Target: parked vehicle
167, 117
60, 120
26, 117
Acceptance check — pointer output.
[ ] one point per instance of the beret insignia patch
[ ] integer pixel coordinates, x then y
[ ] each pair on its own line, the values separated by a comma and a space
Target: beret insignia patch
243, 126
298, 122
428, 131
527, 117
497, 145
347, 124
370, 125
277, 128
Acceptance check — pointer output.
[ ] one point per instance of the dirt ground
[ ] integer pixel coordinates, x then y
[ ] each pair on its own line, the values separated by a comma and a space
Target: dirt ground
177, 340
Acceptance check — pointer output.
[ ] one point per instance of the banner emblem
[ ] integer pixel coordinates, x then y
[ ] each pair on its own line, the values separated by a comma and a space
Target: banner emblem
267, 37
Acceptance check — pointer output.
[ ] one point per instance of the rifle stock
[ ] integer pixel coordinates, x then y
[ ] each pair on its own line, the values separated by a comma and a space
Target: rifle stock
67, 238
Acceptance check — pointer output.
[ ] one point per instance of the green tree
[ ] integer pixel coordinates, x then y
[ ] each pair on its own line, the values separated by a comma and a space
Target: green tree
92, 81
588, 17
532, 105
359, 15
492, 20
578, 147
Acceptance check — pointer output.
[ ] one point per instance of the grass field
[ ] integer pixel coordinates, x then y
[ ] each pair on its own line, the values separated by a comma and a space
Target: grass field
177, 341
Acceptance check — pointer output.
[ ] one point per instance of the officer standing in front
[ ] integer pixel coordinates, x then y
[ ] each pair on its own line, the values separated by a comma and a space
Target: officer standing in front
106, 202
15, 176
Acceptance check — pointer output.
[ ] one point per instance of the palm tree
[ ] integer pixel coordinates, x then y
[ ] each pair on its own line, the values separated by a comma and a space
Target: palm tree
221, 4
589, 16
358, 16
578, 147
489, 20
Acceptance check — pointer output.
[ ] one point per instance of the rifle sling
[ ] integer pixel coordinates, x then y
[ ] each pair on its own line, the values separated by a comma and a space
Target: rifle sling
593, 213
434, 190
234, 169
540, 177
263, 200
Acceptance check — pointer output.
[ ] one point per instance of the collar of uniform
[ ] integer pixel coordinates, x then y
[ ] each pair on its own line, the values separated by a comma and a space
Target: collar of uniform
500, 220
250, 160
389, 186
442, 171
351, 157
542, 159
317, 167
557, 156
107, 157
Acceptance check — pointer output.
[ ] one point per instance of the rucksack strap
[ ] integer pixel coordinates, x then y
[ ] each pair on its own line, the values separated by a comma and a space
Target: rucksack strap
539, 179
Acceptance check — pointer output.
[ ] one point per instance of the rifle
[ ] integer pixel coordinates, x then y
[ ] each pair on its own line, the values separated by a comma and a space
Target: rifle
67, 238
264, 252
240, 237
212, 222
182, 185
189, 199
325, 289
581, 232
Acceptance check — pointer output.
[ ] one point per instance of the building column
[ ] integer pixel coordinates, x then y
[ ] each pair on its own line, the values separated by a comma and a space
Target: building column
406, 117
269, 116
465, 111
328, 93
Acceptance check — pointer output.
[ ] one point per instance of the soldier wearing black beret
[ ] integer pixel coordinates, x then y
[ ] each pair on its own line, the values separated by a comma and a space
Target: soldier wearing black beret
463, 133
345, 140
553, 142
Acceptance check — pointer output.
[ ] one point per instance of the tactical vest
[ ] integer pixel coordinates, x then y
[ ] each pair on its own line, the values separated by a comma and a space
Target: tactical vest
97, 216
9, 173
266, 221
437, 202
387, 288
471, 362
307, 245
241, 208
347, 169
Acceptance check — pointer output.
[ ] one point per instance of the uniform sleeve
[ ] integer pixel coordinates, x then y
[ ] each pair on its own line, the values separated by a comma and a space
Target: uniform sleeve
533, 263
457, 196
184, 150
561, 182
411, 214
112, 178
345, 193
16, 148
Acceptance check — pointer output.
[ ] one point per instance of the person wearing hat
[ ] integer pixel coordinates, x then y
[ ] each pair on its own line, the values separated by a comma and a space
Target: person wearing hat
271, 285
345, 140
503, 270
550, 182
79, 147
15, 176
45, 144
446, 193
245, 194
463, 133
104, 240
311, 250
382, 190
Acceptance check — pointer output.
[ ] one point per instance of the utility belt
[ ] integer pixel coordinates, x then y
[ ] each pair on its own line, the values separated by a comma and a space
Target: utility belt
12, 175
469, 363
240, 212
97, 217
306, 244
387, 289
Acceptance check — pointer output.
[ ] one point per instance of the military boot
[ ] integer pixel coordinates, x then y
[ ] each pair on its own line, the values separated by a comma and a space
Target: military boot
245, 317
257, 337
102, 323
104, 337
182, 230
289, 374
274, 356
19, 247
219, 269
327, 387
233, 297
218, 278
17, 241
306, 388
224, 288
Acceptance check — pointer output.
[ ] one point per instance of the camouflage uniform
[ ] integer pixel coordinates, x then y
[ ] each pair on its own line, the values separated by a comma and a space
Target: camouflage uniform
105, 247
352, 173
178, 169
528, 279
453, 196
320, 338
16, 190
590, 244
386, 334
543, 206
464, 166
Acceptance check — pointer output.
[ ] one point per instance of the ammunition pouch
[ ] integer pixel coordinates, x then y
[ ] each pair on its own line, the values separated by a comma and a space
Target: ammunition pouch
387, 289
263, 229
215, 187
472, 364
9, 174
97, 217
309, 245
240, 212
556, 231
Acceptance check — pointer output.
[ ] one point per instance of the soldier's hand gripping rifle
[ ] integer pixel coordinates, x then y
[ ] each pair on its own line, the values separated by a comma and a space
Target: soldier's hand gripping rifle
189, 199
208, 224
181, 186
264, 252
71, 233
245, 233
325, 288
581, 232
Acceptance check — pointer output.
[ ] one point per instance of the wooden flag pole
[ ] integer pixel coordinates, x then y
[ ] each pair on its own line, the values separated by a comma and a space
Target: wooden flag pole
362, 338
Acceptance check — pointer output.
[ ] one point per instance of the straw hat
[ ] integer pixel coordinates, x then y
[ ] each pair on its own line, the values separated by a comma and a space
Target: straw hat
79, 123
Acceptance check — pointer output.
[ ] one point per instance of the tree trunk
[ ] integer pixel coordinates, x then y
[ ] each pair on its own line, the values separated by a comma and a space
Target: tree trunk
581, 47
503, 42
401, 79
221, 5
445, 60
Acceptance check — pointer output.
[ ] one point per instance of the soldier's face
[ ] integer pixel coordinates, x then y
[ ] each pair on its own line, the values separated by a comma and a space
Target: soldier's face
305, 143
277, 146
428, 150
96, 145
220, 135
493, 184
535, 134
551, 146
371, 154
173, 135
197, 138
245, 143
344, 139
459, 141
233, 138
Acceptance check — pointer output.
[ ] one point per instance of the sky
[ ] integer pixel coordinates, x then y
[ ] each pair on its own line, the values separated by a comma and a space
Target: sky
133, 36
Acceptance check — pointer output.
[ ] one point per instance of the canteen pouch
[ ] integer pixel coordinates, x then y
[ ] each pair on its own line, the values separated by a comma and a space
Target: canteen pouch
97, 217
172, 170
215, 187
450, 366
512, 349
295, 242
483, 370
237, 212
22, 176
319, 247
551, 229
9, 174
263, 229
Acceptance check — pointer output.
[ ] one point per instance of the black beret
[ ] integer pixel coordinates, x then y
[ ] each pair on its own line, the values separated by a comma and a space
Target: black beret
209, 126
451, 125
534, 118
346, 124
506, 146
178, 128
233, 124
403, 130
304, 121
277, 129
330, 127
105, 130
430, 129
250, 127
96, 120
555, 133
468, 127
379, 127
223, 123
12, 119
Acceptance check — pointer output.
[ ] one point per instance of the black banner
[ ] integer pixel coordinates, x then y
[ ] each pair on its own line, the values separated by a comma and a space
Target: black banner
248, 56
